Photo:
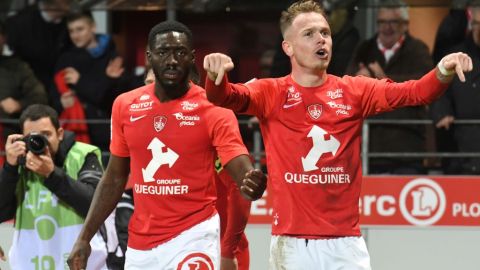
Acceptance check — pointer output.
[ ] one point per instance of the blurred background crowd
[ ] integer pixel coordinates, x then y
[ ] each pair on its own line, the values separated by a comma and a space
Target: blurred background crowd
78, 55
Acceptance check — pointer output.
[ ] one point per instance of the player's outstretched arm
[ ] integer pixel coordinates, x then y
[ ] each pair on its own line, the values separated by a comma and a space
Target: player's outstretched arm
217, 65
108, 193
454, 64
252, 182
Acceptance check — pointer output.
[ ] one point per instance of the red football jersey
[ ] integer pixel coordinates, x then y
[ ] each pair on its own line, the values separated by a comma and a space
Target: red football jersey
172, 147
312, 139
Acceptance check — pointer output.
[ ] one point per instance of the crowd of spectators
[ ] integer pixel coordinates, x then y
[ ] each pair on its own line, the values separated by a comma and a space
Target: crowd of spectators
59, 59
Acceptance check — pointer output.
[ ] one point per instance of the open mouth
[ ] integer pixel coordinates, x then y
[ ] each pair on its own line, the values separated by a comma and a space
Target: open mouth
322, 53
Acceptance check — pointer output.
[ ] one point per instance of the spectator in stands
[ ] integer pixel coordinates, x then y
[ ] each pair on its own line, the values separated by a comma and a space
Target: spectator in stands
94, 74
344, 34
451, 33
395, 54
452, 30
18, 88
38, 35
461, 100
48, 192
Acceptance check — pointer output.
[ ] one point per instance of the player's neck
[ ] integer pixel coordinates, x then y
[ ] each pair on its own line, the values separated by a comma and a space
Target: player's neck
309, 78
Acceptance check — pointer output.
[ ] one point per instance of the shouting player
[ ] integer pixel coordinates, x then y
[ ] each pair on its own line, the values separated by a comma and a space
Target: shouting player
311, 124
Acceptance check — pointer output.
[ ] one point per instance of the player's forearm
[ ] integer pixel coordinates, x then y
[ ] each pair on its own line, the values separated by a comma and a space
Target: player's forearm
238, 167
227, 95
237, 219
417, 92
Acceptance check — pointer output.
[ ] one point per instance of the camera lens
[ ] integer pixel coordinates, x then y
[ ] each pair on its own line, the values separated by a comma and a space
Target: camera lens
36, 144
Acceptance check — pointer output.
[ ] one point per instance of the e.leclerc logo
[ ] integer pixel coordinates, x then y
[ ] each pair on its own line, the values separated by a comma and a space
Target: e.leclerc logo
422, 202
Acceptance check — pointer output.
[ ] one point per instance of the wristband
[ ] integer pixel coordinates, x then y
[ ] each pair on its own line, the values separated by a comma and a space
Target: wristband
444, 71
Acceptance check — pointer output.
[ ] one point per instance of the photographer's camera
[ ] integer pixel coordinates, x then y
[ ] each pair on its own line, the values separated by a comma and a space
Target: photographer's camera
36, 143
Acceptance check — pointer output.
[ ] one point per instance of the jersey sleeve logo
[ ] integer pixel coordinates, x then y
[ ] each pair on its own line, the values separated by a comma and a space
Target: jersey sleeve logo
159, 158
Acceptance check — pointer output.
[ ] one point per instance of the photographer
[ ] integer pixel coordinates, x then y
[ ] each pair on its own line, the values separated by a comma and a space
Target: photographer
47, 185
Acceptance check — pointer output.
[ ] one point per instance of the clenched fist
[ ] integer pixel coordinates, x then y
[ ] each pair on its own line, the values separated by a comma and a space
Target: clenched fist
254, 184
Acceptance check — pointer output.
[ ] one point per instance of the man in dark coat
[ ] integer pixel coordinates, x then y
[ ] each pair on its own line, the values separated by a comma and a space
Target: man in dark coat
461, 101
38, 35
19, 88
393, 53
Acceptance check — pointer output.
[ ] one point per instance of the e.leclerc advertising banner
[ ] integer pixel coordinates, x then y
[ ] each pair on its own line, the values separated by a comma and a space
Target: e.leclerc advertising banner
406, 201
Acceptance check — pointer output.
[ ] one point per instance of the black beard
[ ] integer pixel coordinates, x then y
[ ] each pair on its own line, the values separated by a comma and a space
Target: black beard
176, 90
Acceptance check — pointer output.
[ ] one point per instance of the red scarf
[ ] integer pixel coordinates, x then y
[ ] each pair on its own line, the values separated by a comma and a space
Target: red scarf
75, 112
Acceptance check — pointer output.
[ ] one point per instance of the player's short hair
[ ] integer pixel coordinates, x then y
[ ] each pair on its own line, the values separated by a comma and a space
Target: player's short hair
297, 8
169, 26
37, 111
80, 14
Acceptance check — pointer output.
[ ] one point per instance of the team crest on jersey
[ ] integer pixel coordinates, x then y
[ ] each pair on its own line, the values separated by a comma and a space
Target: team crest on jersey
315, 111
293, 97
159, 122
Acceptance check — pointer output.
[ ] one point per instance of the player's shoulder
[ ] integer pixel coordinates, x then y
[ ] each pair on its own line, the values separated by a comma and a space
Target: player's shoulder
266, 83
142, 93
198, 97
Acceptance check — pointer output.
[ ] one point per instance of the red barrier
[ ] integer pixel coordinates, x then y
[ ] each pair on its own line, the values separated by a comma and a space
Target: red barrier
407, 201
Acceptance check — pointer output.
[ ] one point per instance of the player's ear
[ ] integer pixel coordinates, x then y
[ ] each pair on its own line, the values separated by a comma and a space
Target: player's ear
287, 48
148, 53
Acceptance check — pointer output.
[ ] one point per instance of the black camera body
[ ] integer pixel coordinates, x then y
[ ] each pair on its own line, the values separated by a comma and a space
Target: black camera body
36, 143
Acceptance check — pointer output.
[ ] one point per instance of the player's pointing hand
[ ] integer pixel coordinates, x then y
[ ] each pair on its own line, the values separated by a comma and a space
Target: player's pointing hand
216, 65
455, 63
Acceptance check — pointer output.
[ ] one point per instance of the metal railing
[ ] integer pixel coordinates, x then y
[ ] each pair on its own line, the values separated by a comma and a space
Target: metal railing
366, 155
257, 152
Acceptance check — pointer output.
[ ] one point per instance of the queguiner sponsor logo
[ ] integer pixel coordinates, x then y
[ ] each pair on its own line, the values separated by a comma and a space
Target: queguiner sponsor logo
161, 190
320, 146
160, 157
